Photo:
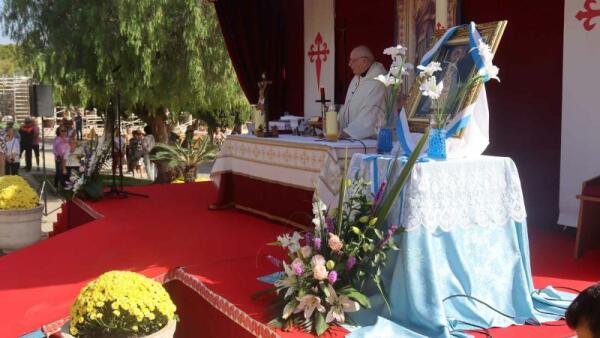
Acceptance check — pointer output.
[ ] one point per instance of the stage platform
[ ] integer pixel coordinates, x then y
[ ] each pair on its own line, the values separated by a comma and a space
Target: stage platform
209, 261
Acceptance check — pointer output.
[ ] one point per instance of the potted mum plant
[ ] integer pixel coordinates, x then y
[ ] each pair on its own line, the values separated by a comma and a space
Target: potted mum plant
123, 304
186, 159
20, 214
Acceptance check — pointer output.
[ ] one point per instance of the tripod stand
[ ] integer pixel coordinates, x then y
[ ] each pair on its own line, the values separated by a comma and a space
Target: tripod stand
117, 155
45, 182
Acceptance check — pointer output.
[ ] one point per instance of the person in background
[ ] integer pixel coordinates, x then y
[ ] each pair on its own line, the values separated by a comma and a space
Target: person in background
118, 151
136, 152
60, 147
37, 139
148, 144
12, 152
26, 143
70, 128
583, 315
79, 125
189, 137
2, 152
71, 159
62, 123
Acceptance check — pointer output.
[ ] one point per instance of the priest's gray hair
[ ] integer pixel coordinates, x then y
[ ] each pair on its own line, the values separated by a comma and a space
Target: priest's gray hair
364, 51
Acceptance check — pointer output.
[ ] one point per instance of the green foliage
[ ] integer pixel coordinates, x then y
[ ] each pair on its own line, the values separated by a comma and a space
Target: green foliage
9, 64
170, 52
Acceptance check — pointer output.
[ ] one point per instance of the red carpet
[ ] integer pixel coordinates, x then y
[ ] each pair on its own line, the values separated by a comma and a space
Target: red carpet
224, 249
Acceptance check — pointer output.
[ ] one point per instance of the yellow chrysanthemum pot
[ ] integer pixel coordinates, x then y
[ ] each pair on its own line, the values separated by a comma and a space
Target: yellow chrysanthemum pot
122, 304
20, 214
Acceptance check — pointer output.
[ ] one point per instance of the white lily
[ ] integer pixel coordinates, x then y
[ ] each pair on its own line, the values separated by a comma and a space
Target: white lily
308, 304
339, 305
292, 243
319, 207
491, 71
289, 282
431, 89
427, 71
485, 51
387, 80
395, 51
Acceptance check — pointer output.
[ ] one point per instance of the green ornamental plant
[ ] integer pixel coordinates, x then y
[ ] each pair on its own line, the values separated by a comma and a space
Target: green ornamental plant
186, 159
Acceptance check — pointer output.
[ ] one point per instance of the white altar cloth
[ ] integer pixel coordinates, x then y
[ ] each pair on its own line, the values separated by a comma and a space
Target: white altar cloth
480, 191
302, 162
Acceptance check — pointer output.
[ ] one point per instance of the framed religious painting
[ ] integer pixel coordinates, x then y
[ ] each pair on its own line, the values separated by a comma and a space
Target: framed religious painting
457, 68
417, 22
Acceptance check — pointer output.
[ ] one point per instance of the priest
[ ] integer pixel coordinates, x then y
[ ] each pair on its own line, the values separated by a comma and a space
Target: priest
362, 112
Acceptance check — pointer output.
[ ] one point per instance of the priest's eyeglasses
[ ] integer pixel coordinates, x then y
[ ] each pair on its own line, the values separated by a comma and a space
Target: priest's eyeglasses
356, 59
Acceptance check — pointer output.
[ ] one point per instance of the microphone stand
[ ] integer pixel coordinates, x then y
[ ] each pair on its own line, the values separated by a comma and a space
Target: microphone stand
117, 156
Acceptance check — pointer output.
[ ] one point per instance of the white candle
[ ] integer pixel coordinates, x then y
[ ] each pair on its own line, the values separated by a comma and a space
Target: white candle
331, 125
441, 13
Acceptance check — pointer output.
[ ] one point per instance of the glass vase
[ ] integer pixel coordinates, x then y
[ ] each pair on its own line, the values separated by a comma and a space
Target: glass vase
384, 141
437, 144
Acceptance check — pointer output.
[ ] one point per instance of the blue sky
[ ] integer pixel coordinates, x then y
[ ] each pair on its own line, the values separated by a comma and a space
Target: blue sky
3, 39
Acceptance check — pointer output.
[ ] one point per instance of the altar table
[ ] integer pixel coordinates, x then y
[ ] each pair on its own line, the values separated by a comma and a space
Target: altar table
277, 177
465, 246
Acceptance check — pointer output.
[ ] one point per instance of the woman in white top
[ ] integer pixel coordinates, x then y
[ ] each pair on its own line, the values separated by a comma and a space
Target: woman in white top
72, 158
148, 143
13, 150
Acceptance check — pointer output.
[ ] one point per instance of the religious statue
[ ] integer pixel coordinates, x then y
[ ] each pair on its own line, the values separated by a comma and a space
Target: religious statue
262, 95
262, 110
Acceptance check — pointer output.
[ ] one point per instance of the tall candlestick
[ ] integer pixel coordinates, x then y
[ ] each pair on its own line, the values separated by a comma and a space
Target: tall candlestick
441, 13
331, 125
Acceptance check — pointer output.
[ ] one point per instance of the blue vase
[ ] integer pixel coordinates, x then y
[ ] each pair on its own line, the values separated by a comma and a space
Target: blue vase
437, 144
384, 141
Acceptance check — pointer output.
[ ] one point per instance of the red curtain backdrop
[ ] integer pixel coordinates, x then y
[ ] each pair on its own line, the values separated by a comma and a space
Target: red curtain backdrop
262, 36
359, 22
525, 109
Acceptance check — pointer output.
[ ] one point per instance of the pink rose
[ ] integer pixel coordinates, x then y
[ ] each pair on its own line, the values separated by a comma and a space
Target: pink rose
320, 272
334, 242
317, 260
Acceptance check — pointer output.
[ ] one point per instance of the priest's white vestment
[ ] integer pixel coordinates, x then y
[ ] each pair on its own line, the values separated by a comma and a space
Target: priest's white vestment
362, 112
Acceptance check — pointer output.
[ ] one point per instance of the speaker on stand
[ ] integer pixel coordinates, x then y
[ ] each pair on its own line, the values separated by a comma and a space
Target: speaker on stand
42, 105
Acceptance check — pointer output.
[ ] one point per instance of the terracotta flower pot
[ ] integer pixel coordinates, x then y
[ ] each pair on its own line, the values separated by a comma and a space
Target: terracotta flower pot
20, 228
166, 332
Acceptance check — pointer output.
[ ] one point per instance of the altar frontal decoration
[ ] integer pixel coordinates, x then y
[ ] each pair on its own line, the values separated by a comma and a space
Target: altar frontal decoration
450, 90
329, 268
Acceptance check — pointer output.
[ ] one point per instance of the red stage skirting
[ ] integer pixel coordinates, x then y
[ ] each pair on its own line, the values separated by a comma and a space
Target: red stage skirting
222, 251
278, 202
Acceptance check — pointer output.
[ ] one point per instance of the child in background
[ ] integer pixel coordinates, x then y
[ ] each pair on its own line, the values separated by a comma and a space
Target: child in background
583, 315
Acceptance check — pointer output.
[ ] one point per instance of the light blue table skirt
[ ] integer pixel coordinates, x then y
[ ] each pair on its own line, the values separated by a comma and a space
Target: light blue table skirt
428, 278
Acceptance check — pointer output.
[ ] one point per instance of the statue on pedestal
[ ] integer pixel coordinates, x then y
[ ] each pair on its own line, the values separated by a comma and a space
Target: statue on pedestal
262, 120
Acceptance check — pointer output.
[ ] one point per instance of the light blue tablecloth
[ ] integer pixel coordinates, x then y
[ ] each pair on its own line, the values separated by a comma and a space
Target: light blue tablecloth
445, 281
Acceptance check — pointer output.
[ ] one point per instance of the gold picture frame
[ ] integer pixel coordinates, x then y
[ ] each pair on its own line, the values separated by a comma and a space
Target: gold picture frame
417, 111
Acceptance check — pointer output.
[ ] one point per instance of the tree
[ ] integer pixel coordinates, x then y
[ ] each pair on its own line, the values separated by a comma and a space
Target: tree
158, 54
8, 61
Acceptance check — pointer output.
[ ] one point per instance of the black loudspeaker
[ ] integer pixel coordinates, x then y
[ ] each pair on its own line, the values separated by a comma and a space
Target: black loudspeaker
41, 102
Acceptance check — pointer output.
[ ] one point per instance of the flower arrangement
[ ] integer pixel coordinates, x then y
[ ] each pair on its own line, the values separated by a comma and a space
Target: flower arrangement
15, 193
87, 180
393, 79
431, 88
329, 267
121, 304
